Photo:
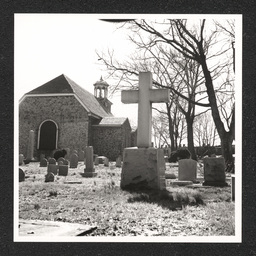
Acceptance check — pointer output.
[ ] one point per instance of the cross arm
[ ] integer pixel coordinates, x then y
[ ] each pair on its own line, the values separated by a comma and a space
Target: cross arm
130, 96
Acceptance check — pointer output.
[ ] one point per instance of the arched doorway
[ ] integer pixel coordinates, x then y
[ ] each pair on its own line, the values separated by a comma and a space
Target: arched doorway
47, 136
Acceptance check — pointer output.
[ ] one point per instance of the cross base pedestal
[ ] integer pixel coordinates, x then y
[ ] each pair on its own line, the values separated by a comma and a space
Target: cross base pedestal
87, 174
143, 168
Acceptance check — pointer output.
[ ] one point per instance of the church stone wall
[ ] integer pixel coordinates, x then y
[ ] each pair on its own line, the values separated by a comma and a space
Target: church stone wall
110, 141
107, 141
71, 118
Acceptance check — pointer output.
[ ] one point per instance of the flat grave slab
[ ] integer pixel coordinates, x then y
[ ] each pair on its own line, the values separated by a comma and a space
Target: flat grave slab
52, 228
181, 182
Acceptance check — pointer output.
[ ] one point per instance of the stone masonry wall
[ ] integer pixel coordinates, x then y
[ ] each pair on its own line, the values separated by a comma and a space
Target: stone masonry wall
107, 141
71, 118
111, 141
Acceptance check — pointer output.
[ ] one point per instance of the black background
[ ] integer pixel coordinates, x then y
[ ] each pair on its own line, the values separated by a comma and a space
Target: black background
7, 10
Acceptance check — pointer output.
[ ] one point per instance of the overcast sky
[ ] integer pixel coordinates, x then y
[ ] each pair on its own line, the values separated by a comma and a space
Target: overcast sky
48, 45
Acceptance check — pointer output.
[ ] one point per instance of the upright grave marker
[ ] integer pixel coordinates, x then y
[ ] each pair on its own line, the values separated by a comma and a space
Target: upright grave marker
21, 175
214, 172
30, 152
144, 165
187, 170
52, 167
21, 159
89, 170
43, 162
63, 169
81, 155
73, 160
119, 161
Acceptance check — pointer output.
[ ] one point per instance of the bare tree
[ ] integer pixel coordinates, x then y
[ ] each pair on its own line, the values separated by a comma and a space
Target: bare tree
195, 42
205, 130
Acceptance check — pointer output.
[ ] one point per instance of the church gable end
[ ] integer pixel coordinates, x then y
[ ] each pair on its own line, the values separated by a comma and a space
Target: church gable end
70, 117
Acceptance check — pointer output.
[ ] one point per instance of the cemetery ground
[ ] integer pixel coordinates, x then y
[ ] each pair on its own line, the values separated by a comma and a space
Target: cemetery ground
99, 202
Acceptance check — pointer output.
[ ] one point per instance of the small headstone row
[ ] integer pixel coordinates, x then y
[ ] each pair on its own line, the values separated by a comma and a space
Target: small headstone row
214, 171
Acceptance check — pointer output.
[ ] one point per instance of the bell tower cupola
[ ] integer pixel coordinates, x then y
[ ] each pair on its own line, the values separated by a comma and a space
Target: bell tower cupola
101, 94
101, 89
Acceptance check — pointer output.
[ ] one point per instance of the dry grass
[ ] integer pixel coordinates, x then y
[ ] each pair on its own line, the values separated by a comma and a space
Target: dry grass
99, 201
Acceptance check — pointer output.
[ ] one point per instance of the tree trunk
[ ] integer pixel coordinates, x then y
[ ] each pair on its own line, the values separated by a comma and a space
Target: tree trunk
171, 127
190, 138
225, 137
226, 148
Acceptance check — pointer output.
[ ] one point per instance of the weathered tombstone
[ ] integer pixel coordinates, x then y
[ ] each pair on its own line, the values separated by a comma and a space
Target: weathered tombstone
52, 167
81, 155
233, 187
61, 159
119, 162
96, 161
43, 162
144, 166
21, 159
52, 161
106, 162
187, 170
63, 169
73, 160
101, 159
30, 152
65, 162
89, 171
49, 177
42, 156
21, 175
214, 172
68, 153
169, 152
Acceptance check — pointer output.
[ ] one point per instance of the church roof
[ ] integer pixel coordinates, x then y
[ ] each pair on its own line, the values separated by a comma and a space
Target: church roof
64, 85
113, 121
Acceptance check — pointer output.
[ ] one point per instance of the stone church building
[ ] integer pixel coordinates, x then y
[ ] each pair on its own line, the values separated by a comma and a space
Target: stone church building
64, 115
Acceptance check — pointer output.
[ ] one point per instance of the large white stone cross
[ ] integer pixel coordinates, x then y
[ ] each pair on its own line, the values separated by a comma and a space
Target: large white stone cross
145, 96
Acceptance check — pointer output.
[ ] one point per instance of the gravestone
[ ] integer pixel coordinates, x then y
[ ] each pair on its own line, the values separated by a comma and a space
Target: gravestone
41, 157
52, 167
187, 170
43, 162
65, 162
101, 159
214, 172
63, 169
21, 159
49, 177
21, 175
96, 161
73, 160
68, 153
52, 161
106, 162
81, 155
144, 166
233, 187
89, 171
30, 152
61, 159
119, 162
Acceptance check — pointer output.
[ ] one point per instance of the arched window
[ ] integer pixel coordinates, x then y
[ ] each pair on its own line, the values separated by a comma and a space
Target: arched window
47, 135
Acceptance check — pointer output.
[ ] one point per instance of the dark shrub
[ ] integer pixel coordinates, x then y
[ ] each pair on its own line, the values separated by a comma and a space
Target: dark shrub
59, 153
182, 153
